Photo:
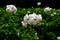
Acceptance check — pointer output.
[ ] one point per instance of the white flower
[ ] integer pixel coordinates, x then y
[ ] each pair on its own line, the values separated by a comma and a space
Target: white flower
47, 9
58, 38
39, 3
26, 18
34, 22
32, 15
24, 24
11, 9
32, 19
40, 17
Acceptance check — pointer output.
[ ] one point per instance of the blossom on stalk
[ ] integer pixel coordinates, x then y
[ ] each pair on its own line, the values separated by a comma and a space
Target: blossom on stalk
47, 9
11, 9
39, 3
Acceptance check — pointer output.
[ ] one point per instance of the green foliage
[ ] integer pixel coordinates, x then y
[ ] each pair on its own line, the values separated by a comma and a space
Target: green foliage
11, 27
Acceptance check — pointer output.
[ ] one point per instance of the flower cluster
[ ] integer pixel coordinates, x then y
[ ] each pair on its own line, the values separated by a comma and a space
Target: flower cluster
11, 9
31, 19
47, 9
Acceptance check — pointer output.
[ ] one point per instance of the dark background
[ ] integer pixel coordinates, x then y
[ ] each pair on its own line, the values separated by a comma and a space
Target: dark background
30, 3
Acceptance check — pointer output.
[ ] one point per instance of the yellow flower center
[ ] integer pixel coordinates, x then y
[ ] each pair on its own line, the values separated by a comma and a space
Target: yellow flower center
35, 18
27, 18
